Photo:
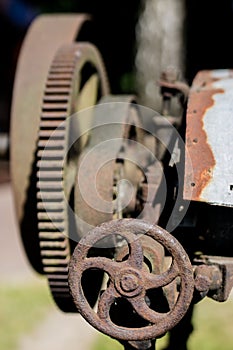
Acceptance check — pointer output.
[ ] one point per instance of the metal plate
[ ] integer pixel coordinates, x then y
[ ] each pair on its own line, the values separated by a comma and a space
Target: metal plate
209, 142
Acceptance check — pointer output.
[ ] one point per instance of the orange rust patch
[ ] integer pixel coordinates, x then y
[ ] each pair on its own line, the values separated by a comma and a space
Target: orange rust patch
198, 172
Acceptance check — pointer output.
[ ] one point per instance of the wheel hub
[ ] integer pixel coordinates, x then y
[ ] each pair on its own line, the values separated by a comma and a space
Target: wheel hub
129, 282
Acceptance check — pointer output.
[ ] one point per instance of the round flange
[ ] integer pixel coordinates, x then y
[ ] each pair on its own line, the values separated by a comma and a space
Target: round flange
128, 282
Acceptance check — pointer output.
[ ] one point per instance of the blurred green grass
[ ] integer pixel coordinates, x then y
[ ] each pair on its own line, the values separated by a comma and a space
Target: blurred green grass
213, 326
22, 308
213, 329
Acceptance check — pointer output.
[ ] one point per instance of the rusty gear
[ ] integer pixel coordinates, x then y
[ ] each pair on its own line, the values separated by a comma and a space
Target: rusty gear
129, 280
46, 34
56, 162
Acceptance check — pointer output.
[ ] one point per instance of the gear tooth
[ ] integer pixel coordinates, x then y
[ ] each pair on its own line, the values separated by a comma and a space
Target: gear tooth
52, 134
57, 200
55, 204
48, 164
56, 99
45, 216
59, 292
51, 236
50, 186
51, 226
57, 107
51, 154
61, 69
48, 253
51, 144
61, 83
52, 124
54, 115
61, 270
56, 262
52, 277
52, 244
57, 91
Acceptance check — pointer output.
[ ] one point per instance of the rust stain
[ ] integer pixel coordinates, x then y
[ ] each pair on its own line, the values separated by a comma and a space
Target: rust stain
198, 172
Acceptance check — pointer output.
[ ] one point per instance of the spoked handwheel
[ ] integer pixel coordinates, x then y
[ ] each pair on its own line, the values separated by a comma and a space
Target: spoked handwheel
128, 279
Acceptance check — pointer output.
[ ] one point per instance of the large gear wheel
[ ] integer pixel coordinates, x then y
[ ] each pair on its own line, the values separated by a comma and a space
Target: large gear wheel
76, 79
46, 34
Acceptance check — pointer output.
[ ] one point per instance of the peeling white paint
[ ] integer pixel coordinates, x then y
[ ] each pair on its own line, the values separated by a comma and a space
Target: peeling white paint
218, 125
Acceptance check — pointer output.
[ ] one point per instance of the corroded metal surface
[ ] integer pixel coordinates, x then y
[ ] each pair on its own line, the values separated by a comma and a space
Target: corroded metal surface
208, 279
128, 279
214, 276
55, 180
209, 139
153, 253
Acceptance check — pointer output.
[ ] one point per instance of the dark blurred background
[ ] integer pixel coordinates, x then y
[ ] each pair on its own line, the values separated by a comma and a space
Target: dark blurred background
113, 31
208, 37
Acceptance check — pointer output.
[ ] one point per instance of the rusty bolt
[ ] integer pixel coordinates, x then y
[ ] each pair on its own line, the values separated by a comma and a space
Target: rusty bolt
202, 280
207, 278
129, 282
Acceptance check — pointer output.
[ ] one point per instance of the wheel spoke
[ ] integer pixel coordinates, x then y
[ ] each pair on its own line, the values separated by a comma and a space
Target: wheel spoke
102, 263
140, 306
157, 281
136, 257
106, 300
